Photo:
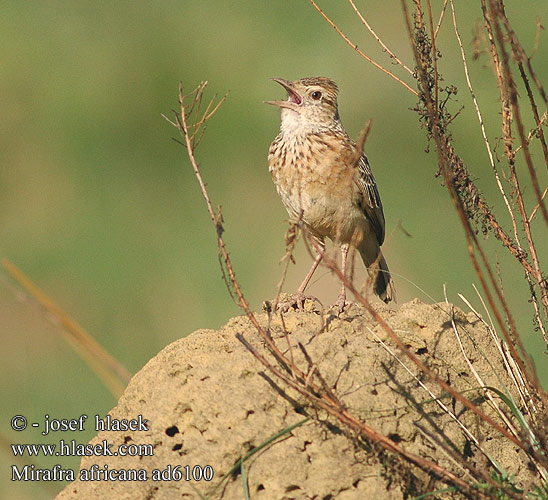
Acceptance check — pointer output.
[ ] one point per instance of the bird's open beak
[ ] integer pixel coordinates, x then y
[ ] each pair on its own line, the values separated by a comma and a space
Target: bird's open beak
294, 99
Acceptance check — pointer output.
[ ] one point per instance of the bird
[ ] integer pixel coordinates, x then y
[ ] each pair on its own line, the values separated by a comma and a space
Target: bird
326, 183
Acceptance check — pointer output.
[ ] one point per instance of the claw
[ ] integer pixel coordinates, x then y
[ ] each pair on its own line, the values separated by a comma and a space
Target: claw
340, 304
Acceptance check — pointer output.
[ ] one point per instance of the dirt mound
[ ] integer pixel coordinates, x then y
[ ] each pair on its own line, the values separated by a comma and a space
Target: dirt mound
209, 402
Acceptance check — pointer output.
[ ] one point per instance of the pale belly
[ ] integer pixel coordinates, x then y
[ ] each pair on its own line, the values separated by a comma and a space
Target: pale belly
324, 210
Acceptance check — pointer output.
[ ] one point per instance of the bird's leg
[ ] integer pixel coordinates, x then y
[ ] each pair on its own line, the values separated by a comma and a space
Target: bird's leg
340, 304
299, 297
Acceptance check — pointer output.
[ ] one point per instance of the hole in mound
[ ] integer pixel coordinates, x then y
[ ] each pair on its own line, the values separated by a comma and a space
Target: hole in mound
292, 487
177, 447
468, 451
237, 471
260, 487
333, 428
421, 350
300, 410
395, 437
171, 431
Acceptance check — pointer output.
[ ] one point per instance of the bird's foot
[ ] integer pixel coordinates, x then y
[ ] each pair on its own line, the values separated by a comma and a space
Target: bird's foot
295, 302
340, 304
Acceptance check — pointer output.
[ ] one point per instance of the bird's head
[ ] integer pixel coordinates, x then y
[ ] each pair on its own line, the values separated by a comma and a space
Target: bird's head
311, 104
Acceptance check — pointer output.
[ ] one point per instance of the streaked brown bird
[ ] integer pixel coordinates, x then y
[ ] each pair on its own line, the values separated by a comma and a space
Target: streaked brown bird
325, 181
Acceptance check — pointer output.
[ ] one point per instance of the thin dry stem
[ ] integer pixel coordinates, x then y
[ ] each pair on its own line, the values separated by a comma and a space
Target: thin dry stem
440, 20
376, 37
434, 51
533, 213
291, 239
113, 374
360, 52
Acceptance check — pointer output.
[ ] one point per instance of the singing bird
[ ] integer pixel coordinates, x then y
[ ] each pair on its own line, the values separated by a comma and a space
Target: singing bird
326, 183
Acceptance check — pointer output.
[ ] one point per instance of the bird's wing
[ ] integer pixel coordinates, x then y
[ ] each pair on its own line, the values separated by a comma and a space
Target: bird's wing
369, 199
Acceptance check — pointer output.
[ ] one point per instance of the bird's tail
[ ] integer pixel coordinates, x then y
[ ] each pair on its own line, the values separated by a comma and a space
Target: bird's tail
378, 270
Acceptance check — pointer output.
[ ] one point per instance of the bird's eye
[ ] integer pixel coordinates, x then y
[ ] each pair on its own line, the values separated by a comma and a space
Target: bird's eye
316, 95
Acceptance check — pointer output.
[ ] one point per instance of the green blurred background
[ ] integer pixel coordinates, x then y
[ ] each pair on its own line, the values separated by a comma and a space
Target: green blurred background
100, 208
